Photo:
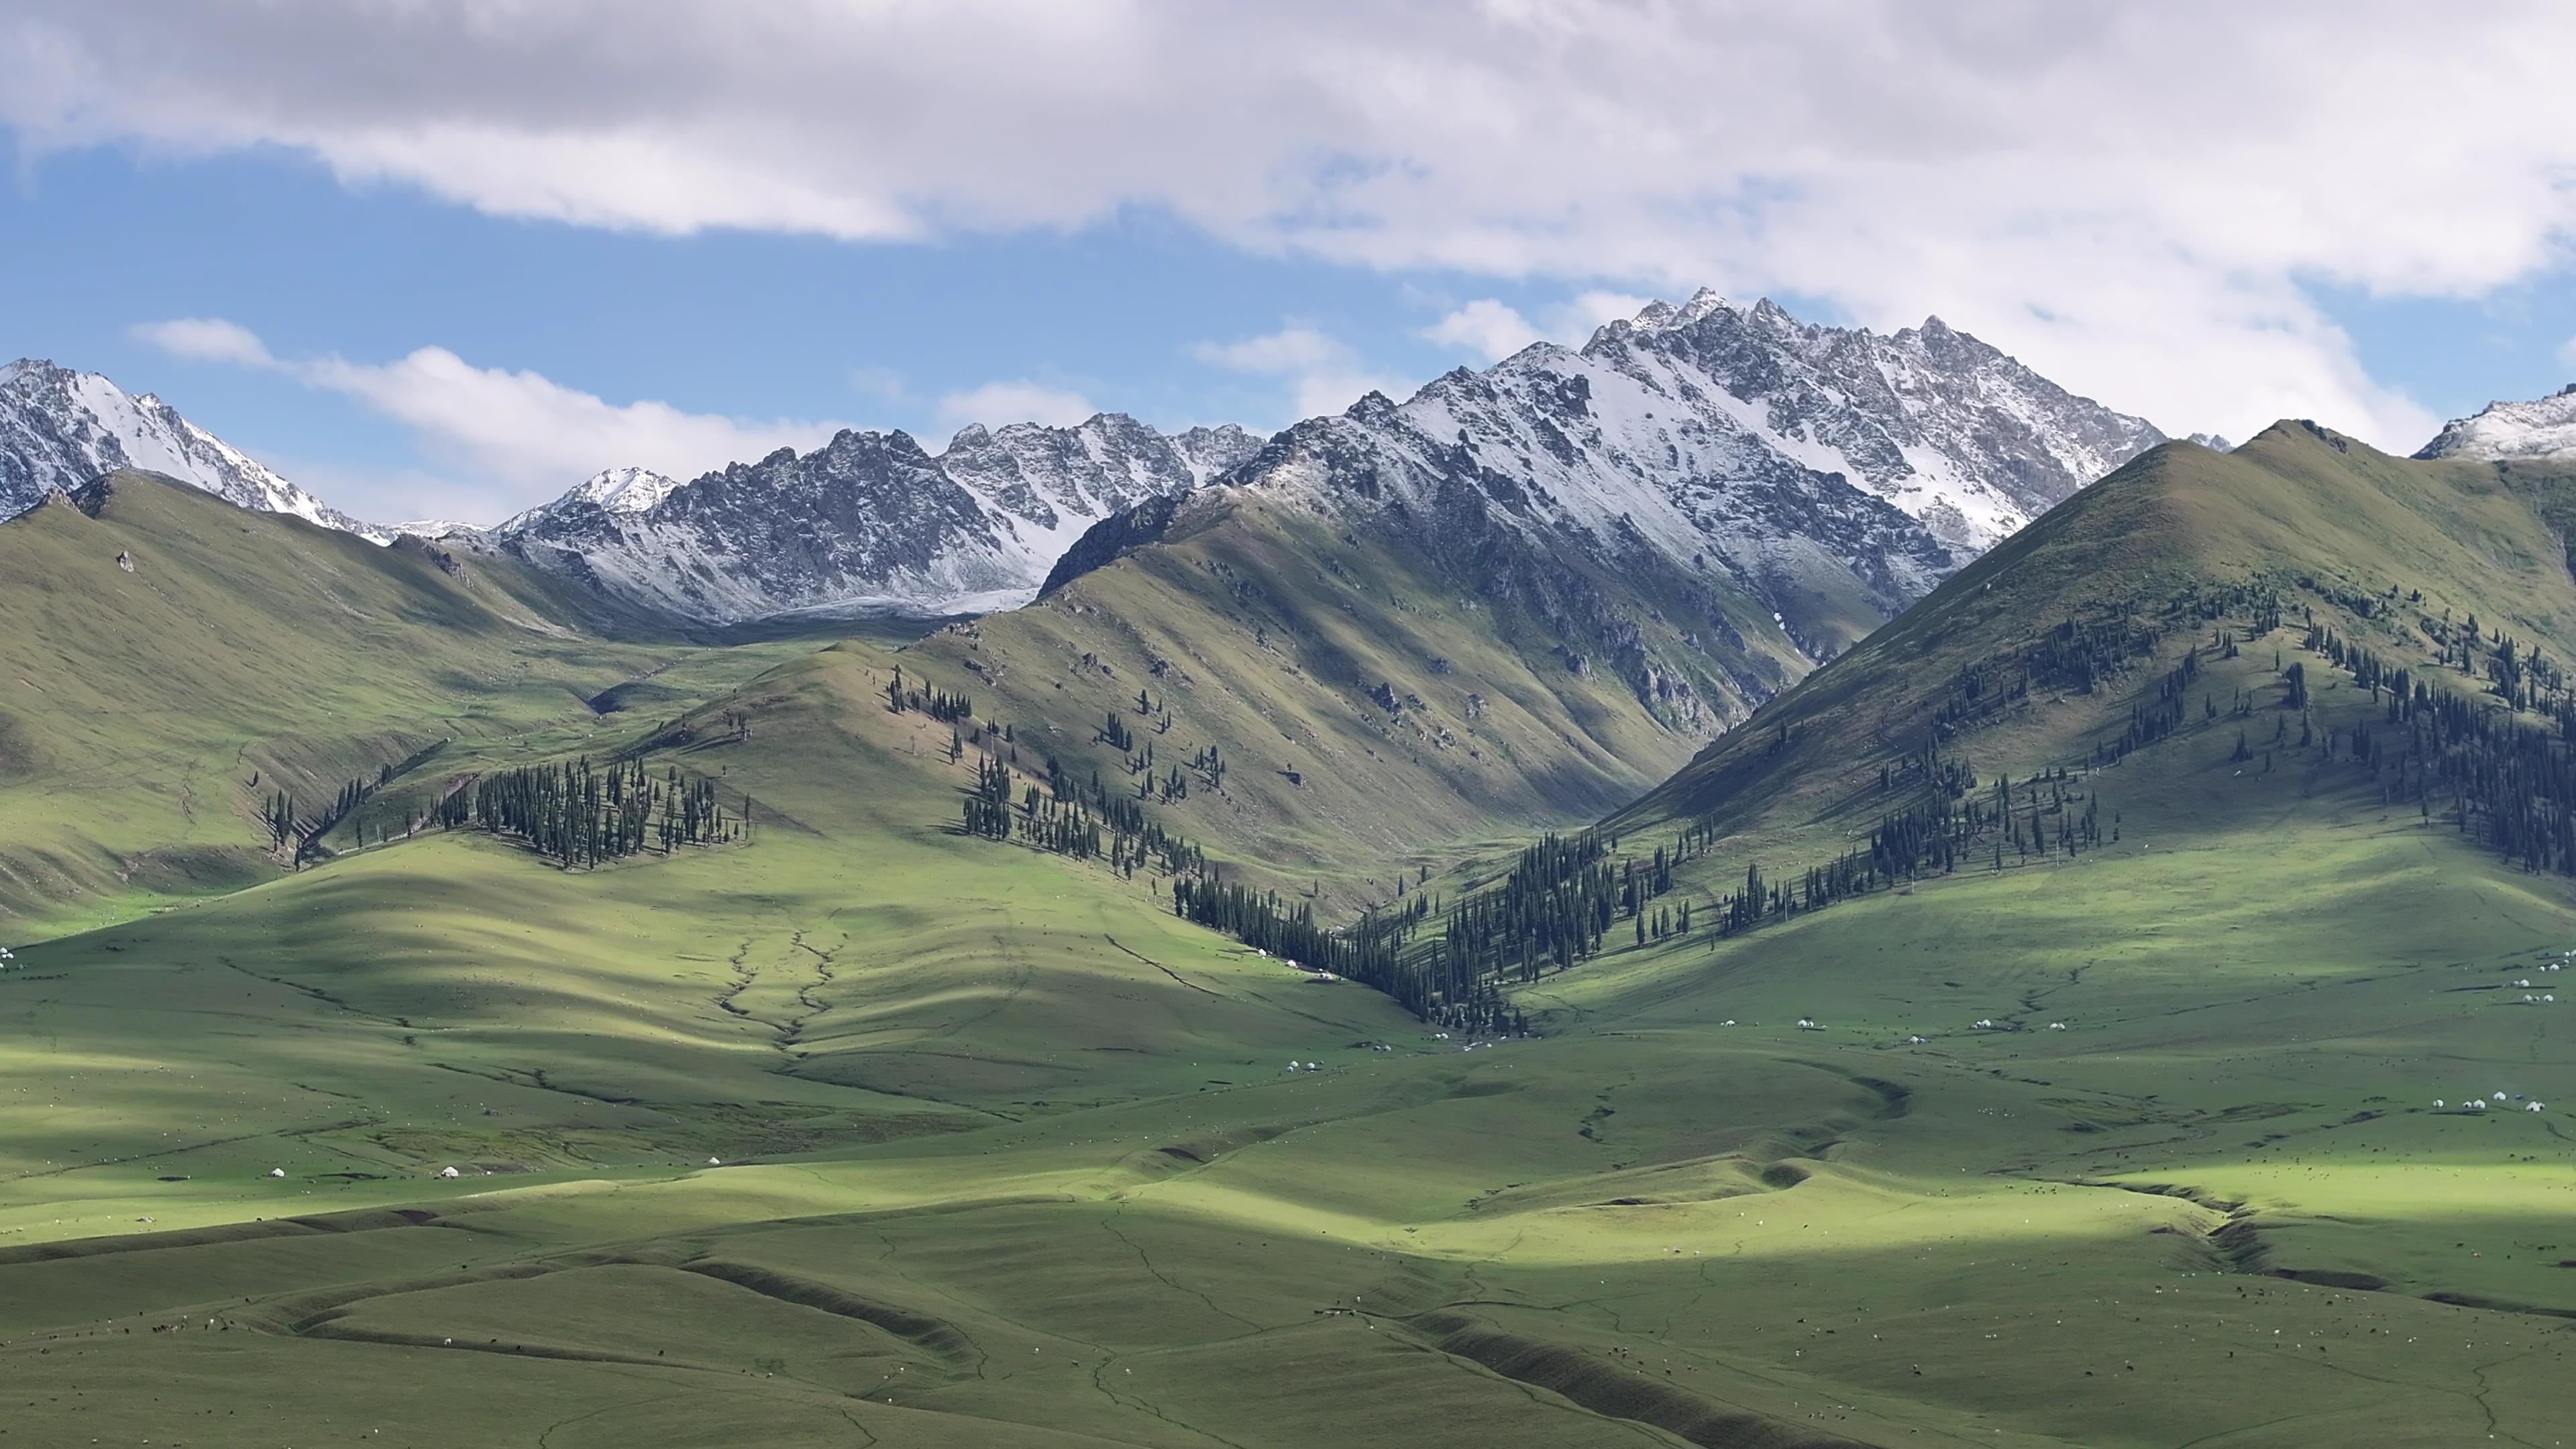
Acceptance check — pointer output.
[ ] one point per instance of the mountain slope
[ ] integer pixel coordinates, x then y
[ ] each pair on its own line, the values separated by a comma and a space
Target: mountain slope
173, 662
2218, 825
1524, 595
59, 429
1992, 669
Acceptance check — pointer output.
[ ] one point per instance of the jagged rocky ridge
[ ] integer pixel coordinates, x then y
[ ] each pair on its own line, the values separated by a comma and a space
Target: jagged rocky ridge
1804, 466
869, 521
59, 429
2507, 430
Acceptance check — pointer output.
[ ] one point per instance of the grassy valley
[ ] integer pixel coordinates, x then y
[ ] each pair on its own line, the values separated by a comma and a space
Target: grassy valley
859, 1128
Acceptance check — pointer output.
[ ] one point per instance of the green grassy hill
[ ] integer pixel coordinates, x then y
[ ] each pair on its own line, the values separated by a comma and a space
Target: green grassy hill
1376, 698
1005, 1154
148, 714
2143, 567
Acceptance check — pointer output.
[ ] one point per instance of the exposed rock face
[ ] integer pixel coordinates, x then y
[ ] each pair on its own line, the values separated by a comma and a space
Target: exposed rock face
59, 429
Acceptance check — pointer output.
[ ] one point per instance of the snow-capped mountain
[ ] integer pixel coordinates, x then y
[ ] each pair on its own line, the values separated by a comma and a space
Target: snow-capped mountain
1802, 461
59, 429
1952, 431
869, 521
1791, 456
626, 490
1784, 449
2503, 430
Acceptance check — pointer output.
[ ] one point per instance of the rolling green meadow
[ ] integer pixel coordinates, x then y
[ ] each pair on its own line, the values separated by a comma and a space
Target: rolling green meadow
859, 1129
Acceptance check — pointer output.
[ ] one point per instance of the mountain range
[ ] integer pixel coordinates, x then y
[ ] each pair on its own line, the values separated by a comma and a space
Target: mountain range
1788, 455
869, 522
1834, 474
1791, 456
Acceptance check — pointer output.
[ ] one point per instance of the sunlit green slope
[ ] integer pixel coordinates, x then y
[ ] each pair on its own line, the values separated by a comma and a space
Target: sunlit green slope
150, 710
1374, 699
1010, 1156
2172, 548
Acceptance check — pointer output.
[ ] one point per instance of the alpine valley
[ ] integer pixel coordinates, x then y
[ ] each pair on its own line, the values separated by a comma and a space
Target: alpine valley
1745, 884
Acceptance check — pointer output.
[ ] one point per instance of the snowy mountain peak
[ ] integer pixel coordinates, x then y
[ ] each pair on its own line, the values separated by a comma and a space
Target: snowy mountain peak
626, 490
1703, 302
1735, 453
60, 429
1947, 428
2545, 428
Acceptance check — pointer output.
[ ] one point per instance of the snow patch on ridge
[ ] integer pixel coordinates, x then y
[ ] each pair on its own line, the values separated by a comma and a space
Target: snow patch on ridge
2545, 428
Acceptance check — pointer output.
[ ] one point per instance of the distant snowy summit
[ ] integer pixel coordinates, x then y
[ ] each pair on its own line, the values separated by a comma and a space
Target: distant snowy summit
870, 522
1949, 429
2508, 430
59, 429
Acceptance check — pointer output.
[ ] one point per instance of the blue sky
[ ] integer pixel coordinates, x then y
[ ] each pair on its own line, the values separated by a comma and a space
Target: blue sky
669, 253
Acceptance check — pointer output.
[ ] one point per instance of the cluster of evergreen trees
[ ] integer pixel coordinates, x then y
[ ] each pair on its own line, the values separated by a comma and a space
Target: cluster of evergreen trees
1553, 909
2521, 677
938, 704
2508, 784
579, 816
1372, 951
1557, 905
1087, 824
1261, 918
1936, 836
2153, 720
279, 813
279, 816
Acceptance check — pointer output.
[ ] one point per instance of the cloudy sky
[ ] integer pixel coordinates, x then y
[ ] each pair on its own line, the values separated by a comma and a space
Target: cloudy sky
447, 257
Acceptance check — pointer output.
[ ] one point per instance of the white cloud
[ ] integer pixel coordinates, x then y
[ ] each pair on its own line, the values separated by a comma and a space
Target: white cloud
1585, 311
1492, 330
529, 430
206, 339
518, 436
1483, 328
2133, 196
1322, 373
1292, 349
1015, 401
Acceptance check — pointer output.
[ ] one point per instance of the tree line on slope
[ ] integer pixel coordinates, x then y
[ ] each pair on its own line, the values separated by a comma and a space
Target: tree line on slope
576, 815
2510, 785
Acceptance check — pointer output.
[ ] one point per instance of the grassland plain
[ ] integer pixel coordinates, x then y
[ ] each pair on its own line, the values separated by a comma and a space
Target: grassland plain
1006, 1154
